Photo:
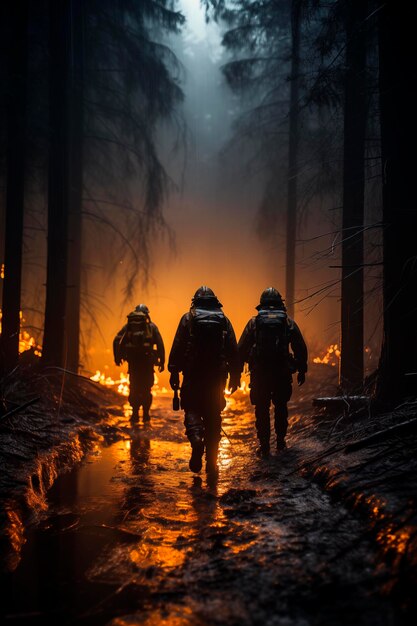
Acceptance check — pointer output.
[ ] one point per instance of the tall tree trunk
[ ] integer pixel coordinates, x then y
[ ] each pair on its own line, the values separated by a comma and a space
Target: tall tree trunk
54, 344
397, 76
17, 19
293, 156
355, 115
76, 186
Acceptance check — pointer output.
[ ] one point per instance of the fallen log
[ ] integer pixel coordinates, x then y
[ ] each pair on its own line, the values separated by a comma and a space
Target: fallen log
341, 401
382, 435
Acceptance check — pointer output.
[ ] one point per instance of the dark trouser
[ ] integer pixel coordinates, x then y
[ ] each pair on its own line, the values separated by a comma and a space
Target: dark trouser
141, 381
265, 388
205, 430
202, 398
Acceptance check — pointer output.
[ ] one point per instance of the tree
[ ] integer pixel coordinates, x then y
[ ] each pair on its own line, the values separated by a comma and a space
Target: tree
76, 171
131, 84
17, 16
264, 39
54, 341
355, 118
113, 104
397, 72
293, 156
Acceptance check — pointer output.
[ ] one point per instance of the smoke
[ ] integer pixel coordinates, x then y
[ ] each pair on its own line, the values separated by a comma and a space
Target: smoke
212, 212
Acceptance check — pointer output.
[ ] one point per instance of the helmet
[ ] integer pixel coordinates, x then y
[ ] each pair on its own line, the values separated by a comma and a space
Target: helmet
204, 296
270, 297
142, 308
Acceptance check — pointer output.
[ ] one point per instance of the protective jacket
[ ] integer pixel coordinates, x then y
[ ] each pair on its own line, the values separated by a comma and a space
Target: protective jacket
203, 384
181, 358
248, 354
272, 380
157, 354
205, 371
141, 360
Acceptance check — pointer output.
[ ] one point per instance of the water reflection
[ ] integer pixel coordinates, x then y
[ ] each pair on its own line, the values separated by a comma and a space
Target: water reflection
133, 537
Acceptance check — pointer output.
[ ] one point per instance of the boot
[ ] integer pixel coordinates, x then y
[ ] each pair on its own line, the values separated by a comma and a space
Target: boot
281, 445
263, 450
134, 418
196, 463
146, 406
211, 458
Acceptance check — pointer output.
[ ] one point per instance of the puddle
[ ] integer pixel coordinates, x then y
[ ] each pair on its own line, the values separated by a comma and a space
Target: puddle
132, 537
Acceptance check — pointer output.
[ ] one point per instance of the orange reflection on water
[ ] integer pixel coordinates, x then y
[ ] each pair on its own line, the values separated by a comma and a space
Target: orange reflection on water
224, 458
236, 548
157, 549
168, 526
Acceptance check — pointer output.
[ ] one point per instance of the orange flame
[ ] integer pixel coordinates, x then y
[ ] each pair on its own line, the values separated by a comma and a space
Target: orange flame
121, 384
331, 357
26, 341
333, 354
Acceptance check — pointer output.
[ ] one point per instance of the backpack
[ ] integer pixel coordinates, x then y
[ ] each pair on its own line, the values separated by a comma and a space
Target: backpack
137, 340
272, 340
207, 329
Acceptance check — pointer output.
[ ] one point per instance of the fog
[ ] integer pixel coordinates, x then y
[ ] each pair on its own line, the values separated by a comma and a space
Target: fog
212, 214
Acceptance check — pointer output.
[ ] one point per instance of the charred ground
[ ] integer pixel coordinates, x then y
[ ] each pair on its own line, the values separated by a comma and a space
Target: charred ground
322, 534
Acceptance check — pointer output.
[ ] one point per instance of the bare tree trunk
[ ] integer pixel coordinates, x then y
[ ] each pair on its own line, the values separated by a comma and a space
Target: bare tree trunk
293, 157
17, 19
397, 72
355, 116
54, 344
76, 186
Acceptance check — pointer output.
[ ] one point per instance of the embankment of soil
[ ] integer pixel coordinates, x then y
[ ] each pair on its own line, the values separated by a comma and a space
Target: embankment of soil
68, 416
375, 475
368, 460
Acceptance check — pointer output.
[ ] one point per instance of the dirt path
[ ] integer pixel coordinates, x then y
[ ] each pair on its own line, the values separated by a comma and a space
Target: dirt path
132, 537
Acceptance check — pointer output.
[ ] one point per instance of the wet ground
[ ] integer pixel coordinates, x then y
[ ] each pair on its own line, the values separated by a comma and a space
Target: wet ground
132, 537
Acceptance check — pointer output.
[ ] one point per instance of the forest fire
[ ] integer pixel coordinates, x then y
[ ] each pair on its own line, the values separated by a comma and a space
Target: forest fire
121, 384
26, 341
331, 357
333, 354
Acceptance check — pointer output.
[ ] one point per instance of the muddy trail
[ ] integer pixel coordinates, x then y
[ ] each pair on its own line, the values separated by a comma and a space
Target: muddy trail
132, 537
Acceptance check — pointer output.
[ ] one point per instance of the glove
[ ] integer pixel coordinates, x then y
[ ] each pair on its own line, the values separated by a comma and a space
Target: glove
161, 367
301, 377
234, 383
174, 380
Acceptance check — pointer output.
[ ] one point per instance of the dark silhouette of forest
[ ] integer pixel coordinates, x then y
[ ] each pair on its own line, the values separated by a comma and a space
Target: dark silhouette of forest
87, 84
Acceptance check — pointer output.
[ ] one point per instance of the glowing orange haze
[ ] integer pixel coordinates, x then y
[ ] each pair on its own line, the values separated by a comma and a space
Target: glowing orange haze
215, 248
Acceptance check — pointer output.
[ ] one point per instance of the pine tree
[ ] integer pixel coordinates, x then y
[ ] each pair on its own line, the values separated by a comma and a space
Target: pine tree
17, 65
355, 118
398, 364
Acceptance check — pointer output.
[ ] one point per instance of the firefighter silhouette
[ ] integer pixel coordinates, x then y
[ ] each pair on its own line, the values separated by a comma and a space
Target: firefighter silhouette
139, 343
265, 345
205, 351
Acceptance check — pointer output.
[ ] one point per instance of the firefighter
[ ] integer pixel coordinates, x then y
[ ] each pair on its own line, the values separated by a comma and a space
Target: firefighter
205, 351
139, 343
265, 345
